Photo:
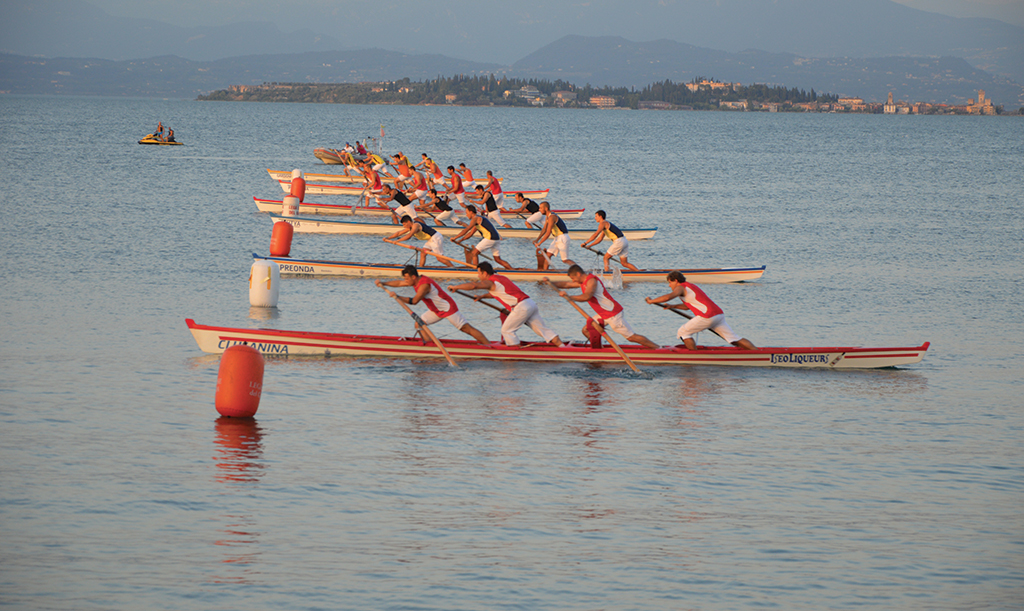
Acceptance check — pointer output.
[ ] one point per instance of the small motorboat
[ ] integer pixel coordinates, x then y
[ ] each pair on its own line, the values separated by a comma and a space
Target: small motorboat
153, 139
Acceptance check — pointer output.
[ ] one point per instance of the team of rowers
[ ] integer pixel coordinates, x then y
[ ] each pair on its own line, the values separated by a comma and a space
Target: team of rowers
519, 309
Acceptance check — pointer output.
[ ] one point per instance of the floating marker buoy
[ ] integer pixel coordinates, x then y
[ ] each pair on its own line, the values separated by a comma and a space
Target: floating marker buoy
298, 185
289, 207
281, 239
264, 283
239, 382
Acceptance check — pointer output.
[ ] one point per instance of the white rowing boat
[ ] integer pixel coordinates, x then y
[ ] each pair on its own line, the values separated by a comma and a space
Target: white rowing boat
215, 340
303, 224
313, 188
354, 178
316, 268
309, 208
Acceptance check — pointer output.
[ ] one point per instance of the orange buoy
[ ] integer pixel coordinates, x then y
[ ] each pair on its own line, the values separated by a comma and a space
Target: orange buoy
239, 382
298, 187
281, 239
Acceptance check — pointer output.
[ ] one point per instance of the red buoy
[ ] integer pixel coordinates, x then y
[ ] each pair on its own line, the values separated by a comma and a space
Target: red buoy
239, 382
281, 239
299, 188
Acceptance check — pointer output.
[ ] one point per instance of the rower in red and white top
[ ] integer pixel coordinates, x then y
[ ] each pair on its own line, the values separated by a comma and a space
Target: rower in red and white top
494, 186
440, 305
609, 312
372, 183
706, 313
456, 188
523, 309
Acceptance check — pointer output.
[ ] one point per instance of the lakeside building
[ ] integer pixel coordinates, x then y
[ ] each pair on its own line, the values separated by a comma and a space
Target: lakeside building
982, 107
602, 101
654, 105
712, 85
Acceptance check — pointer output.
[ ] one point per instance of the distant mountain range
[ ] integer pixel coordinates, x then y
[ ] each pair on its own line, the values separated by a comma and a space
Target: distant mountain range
580, 60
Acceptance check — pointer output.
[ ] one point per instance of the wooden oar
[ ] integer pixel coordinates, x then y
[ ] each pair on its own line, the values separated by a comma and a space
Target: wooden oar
469, 248
478, 299
425, 331
685, 315
600, 330
601, 253
431, 253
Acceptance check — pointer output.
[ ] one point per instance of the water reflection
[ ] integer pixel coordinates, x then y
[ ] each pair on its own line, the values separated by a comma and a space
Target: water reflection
239, 459
259, 313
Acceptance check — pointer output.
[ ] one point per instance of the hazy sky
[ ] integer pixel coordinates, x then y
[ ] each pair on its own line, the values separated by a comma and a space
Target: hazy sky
297, 14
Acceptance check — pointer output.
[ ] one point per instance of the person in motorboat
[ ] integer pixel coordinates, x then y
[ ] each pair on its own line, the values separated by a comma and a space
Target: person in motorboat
489, 240
440, 305
522, 309
159, 133
609, 312
620, 244
554, 227
416, 228
706, 313
170, 135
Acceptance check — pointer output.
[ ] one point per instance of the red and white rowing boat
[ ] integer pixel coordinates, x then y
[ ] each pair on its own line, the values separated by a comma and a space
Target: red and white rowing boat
275, 206
313, 188
216, 340
316, 268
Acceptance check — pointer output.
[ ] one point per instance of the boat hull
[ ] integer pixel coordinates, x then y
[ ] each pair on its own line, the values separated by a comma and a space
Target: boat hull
318, 268
275, 206
354, 178
215, 340
303, 224
315, 188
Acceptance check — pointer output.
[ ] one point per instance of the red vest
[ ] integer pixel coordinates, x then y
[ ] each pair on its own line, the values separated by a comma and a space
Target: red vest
506, 291
601, 301
699, 303
436, 295
494, 186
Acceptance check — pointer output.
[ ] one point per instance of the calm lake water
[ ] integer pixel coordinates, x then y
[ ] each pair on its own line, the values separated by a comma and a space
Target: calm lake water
389, 484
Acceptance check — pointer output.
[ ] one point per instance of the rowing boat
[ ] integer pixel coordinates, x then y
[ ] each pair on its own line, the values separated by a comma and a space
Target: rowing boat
328, 156
313, 267
216, 340
305, 224
314, 188
275, 206
355, 178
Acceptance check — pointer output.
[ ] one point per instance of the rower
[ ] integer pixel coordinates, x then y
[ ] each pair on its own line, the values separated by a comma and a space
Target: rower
440, 305
419, 186
466, 174
528, 206
372, 183
440, 205
707, 314
416, 228
522, 309
620, 245
609, 312
494, 186
488, 241
555, 227
405, 206
487, 201
456, 188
